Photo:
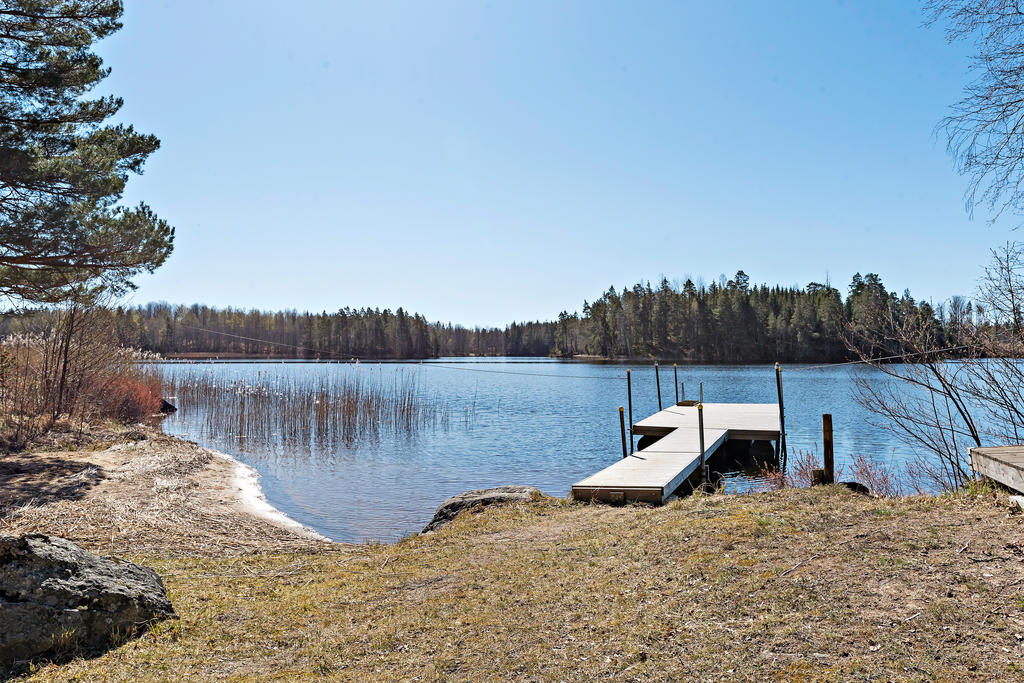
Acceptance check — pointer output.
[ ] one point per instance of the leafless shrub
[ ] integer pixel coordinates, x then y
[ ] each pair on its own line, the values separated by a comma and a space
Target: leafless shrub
985, 130
877, 476
880, 479
773, 479
801, 467
65, 364
798, 472
951, 387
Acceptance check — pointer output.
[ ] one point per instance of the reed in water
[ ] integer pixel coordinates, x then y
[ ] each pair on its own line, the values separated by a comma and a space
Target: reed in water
303, 410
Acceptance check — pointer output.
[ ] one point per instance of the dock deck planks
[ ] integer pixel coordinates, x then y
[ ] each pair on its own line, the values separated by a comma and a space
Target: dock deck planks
1004, 464
654, 473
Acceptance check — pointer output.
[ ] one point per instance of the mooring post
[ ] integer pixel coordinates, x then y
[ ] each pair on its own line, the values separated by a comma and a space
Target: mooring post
629, 395
622, 428
700, 430
682, 390
700, 399
782, 416
826, 440
675, 376
657, 380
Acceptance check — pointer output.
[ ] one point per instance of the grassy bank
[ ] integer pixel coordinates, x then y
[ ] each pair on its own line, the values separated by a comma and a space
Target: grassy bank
795, 584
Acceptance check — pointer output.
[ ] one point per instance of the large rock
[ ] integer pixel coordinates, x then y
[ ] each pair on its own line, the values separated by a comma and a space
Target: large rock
55, 596
479, 497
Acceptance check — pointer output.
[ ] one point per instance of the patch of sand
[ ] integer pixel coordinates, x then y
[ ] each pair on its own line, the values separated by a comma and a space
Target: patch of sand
148, 493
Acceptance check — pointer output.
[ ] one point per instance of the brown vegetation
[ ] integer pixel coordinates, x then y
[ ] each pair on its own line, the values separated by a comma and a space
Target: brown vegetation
879, 478
728, 587
789, 585
65, 364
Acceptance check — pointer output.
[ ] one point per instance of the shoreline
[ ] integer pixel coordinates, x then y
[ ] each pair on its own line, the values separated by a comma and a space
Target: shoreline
246, 479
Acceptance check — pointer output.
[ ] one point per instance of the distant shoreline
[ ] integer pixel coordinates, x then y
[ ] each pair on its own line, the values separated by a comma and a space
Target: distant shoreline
590, 359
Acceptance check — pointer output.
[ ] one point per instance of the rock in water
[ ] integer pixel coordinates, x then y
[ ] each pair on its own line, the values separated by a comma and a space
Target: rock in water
500, 494
55, 596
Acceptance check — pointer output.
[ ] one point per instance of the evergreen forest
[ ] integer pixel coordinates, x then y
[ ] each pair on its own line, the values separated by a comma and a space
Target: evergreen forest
726, 321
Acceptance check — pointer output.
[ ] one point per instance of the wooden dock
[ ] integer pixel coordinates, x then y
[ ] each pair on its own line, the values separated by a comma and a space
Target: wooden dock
653, 473
1004, 464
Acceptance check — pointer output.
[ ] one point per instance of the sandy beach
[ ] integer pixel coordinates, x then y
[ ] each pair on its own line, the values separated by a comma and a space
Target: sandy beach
139, 491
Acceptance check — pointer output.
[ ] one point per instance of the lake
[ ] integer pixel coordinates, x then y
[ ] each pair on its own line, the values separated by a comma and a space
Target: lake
541, 422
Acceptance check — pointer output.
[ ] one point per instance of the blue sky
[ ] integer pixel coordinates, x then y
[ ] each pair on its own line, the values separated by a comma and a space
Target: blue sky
487, 162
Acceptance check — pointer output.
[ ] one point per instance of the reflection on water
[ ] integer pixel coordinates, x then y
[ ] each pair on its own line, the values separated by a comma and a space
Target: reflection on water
482, 422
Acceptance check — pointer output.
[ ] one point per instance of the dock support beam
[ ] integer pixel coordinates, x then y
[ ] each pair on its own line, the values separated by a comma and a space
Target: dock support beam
629, 397
782, 417
675, 377
622, 429
657, 380
826, 440
703, 455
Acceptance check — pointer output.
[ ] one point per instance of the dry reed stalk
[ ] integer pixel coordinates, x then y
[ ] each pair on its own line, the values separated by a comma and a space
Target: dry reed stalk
300, 411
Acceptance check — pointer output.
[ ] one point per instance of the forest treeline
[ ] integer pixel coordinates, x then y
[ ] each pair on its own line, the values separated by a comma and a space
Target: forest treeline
726, 321
730, 321
345, 334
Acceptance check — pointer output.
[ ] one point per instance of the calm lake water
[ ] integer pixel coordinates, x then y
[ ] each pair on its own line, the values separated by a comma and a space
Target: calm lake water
541, 422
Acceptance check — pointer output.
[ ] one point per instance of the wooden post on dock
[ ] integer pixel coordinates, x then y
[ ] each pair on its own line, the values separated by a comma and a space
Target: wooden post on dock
629, 396
675, 377
657, 380
700, 430
622, 428
826, 440
782, 417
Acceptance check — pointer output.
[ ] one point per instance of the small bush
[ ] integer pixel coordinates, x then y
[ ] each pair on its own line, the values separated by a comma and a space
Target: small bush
127, 399
879, 479
877, 476
64, 364
797, 473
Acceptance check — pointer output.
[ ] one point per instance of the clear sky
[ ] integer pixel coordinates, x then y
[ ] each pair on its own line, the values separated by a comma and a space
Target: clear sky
482, 162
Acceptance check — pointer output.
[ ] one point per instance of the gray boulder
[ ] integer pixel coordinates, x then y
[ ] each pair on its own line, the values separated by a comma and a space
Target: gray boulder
55, 596
479, 497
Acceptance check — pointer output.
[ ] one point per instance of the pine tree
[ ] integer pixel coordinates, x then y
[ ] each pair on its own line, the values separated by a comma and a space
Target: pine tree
62, 172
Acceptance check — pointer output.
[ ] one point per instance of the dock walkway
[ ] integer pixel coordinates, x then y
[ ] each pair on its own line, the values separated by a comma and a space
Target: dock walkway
655, 472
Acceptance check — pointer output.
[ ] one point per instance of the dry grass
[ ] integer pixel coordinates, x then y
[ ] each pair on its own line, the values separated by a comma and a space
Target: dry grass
787, 585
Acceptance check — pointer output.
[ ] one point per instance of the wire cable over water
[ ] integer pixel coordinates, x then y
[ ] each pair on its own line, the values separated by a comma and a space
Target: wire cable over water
349, 356
513, 372
345, 356
875, 360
